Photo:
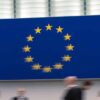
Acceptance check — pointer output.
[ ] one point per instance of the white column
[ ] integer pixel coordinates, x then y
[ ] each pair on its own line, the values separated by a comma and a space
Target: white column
93, 7
6, 9
67, 7
31, 8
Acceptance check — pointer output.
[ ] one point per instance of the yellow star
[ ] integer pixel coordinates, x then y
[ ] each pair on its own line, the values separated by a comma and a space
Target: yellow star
38, 30
67, 37
70, 47
30, 38
58, 66
28, 59
47, 69
36, 67
48, 27
26, 49
67, 58
59, 29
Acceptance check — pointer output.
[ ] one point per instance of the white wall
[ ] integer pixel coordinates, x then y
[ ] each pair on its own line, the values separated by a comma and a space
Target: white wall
43, 90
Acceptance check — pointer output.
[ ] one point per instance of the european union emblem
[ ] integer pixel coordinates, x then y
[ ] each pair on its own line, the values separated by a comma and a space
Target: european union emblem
50, 48
55, 59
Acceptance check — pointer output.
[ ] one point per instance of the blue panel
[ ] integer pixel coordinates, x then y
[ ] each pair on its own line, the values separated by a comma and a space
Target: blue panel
49, 48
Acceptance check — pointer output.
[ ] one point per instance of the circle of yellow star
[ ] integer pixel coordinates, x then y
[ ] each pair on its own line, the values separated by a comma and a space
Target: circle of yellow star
67, 37
66, 58
48, 27
59, 29
26, 49
47, 69
58, 66
70, 47
28, 59
36, 67
38, 30
30, 38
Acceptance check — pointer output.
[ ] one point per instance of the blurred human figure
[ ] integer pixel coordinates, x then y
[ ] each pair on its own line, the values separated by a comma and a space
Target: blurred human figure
74, 92
86, 84
21, 94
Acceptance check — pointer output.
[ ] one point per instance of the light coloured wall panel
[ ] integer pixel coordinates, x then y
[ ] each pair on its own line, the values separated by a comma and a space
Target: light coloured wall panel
67, 7
93, 7
6, 9
31, 8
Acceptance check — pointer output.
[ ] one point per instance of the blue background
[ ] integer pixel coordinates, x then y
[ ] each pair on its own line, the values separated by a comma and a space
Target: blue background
49, 47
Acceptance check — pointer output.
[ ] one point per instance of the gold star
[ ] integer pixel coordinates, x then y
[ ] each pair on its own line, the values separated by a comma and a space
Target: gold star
30, 38
67, 58
59, 29
36, 67
47, 69
38, 30
58, 66
28, 59
67, 37
26, 49
48, 27
70, 47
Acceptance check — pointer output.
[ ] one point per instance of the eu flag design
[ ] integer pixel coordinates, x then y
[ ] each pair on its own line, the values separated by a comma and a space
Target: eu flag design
46, 31
49, 48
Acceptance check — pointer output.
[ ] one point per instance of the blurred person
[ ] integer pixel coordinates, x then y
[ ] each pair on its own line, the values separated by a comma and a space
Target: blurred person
21, 94
74, 92
86, 85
